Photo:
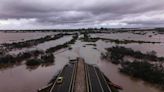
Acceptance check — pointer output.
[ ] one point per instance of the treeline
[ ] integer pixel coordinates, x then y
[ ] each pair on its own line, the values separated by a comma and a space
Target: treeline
28, 43
72, 41
88, 38
42, 60
2, 51
160, 29
117, 53
37, 56
34, 57
81, 30
153, 73
124, 41
63, 30
141, 68
7, 59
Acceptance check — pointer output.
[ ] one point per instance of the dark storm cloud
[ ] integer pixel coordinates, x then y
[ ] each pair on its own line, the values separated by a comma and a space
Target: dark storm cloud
84, 12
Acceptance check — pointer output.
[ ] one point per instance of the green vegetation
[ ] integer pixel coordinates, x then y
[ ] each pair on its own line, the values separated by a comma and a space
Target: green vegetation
2, 52
70, 48
72, 41
35, 57
11, 59
152, 73
160, 29
28, 54
33, 62
7, 59
88, 38
48, 58
148, 71
44, 59
92, 44
116, 54
125, 41
28, 43
92, 30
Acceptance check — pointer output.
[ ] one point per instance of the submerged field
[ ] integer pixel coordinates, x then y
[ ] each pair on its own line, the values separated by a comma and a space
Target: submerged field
27, 68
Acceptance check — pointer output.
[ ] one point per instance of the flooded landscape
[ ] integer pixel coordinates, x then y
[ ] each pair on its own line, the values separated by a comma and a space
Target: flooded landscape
82, 46
21, 76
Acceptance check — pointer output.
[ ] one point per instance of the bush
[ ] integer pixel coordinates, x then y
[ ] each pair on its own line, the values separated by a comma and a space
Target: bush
33, 62
29, 54
48, 58
6, 59
72, 41
144, 70
117, 54
32, 42
70, 48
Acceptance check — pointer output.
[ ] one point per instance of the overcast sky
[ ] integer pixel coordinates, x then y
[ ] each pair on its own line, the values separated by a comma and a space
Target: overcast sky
25, 14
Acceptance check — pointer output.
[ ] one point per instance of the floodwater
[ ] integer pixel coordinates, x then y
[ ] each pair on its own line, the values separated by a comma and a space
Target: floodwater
144, 47
92, 56
17, 36
44, 46
20, 78
131, 36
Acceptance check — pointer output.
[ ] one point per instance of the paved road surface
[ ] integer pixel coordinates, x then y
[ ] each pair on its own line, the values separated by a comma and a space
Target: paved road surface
67, 74
95, 85
93, 82
104, 84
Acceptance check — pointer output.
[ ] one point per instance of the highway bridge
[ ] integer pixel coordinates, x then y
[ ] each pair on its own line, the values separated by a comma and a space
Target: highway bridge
81, 77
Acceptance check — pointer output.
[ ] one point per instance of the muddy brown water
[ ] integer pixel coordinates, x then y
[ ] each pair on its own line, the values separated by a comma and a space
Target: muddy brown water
17, 36
22, 79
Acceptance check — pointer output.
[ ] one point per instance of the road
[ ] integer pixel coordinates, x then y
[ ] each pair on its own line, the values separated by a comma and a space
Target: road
104, 83
67, 74
95, 86
88, 77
